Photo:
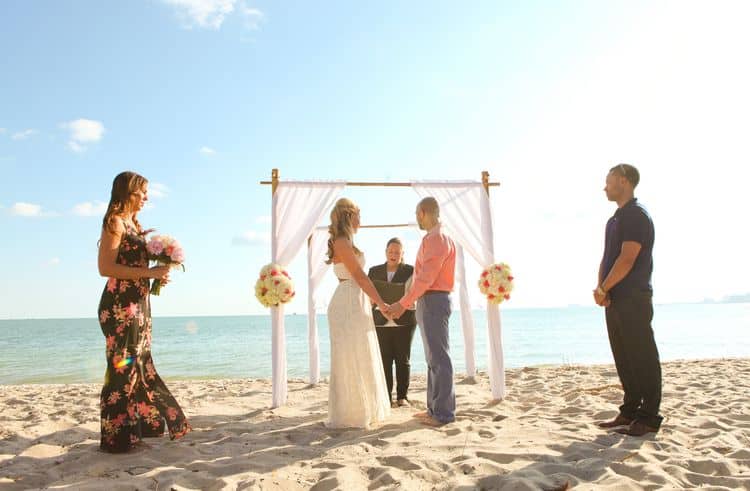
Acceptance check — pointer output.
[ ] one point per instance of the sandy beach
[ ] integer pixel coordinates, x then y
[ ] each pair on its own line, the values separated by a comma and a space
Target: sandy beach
542, 436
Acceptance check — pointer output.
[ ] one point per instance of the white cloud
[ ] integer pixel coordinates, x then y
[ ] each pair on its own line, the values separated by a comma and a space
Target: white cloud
90, 209
252, 238
2, 130
157, 190
52, 261
252, 17
211, 14
202, 13
22, 135
207, 151
22, 209
83, 132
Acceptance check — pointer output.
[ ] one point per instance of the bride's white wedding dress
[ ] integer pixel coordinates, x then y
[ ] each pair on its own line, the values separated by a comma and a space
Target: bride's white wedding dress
357, 394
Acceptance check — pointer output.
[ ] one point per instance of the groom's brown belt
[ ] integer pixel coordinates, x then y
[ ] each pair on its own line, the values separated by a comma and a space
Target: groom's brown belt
432, 292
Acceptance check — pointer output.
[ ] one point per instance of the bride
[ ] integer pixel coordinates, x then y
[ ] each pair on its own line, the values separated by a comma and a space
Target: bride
357, 395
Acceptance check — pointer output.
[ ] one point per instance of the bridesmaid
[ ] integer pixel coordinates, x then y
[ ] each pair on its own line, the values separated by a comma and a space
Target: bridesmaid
135, 402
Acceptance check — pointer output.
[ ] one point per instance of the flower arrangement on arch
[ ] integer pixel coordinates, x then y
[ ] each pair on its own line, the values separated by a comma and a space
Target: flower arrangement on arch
274, 286
496, 283
166, 251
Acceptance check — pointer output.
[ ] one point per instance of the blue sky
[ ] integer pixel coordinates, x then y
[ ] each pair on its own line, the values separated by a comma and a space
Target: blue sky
204, 97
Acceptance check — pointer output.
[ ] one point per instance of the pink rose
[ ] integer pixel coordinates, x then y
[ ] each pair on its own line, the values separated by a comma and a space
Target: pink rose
155, 246
177, 255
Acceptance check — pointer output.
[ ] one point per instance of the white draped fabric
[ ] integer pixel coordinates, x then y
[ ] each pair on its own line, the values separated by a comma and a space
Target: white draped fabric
316, 269
297, 207
467, 320
466, 215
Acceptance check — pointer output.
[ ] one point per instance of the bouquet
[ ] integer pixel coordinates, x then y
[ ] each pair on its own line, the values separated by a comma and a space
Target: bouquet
496, 283
274, 286
166, 251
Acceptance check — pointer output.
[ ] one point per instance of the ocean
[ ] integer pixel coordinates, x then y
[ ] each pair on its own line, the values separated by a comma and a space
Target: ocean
72, 350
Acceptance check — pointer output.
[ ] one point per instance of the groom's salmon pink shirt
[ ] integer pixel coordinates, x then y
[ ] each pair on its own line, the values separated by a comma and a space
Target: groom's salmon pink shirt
435, 266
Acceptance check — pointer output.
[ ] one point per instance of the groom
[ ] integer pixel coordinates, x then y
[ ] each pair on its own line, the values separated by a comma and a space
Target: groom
431, 287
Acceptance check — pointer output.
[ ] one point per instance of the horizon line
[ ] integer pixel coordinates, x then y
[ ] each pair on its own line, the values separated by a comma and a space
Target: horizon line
700, 302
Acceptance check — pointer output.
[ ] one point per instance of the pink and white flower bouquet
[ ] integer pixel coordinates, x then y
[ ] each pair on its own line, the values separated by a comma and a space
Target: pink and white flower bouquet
274, 286
496, 283
166, 251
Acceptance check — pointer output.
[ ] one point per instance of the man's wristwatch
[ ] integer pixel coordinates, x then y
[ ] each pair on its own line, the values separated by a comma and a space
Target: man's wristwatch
600, 291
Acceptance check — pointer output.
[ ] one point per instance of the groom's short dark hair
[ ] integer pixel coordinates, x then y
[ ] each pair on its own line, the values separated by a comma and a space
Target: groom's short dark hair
627, 171
430, 206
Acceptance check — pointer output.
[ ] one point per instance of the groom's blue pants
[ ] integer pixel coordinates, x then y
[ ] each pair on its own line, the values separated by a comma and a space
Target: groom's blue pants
433, 312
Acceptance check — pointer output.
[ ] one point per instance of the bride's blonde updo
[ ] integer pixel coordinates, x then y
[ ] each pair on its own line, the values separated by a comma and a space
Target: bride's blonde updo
342, 216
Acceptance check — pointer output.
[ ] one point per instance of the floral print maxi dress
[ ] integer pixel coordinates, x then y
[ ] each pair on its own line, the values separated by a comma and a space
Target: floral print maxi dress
134, 401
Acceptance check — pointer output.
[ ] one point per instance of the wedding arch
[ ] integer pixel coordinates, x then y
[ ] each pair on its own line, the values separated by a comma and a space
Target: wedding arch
299, 206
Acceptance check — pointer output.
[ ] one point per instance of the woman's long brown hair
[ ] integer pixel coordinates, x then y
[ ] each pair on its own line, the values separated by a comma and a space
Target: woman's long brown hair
125, 184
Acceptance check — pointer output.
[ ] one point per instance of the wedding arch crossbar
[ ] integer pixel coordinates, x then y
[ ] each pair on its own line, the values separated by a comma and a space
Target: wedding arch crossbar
298, 207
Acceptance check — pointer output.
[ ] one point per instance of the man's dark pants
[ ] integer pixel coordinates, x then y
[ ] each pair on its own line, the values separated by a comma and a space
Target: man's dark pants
636, 356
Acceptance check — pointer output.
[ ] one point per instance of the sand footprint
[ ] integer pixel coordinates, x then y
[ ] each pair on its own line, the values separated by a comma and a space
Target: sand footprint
486, 434
399, 462
328, 465
500, 458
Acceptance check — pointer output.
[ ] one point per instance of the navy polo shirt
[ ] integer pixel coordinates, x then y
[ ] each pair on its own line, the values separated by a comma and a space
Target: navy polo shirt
630, 223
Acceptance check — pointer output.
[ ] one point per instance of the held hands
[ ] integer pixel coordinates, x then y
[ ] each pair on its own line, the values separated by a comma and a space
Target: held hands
383, 307
394, 310
601, 297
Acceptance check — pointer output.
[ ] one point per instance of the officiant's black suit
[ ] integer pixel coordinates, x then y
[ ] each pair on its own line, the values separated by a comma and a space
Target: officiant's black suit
395, 342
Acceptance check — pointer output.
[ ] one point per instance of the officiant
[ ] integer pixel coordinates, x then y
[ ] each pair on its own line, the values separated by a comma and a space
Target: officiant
392, 280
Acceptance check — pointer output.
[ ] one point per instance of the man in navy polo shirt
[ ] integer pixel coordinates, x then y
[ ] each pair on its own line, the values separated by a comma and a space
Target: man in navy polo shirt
624, 289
